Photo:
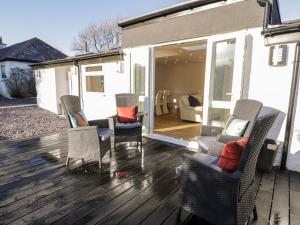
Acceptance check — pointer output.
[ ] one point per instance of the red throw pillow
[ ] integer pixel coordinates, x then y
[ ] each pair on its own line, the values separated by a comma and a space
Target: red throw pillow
127, 114
231, 155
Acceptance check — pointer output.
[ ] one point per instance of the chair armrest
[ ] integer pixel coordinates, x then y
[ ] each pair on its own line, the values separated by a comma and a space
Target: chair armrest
206, 169
211, 130
83, 142
102, 123
82, 129
227, 138
205, 186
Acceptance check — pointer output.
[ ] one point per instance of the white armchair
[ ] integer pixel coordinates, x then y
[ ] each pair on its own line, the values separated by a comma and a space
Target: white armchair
188, 112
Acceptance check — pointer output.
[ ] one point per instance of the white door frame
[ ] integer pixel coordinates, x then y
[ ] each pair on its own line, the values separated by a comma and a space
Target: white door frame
237, 82
237, 72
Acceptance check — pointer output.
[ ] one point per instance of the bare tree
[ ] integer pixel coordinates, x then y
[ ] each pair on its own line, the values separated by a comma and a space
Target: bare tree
98, 38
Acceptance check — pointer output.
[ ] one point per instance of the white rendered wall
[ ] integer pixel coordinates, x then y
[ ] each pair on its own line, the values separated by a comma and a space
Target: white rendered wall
46, 89
271, 86
102, 105
8, 66
62, 84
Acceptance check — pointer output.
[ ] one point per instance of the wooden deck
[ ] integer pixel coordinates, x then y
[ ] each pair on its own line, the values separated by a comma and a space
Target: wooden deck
136, 187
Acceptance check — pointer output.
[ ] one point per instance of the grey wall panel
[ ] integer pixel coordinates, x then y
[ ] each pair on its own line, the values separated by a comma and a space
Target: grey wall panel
228, 18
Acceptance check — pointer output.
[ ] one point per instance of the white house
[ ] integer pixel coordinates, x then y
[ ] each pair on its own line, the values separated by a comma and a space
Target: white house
22, 55
96, 78
214, 49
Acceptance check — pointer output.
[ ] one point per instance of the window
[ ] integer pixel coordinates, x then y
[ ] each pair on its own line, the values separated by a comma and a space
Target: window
139, 79
3, 71
95, 83
93, 68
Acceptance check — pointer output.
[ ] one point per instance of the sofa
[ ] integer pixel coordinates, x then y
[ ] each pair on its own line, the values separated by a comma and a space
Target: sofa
188, 112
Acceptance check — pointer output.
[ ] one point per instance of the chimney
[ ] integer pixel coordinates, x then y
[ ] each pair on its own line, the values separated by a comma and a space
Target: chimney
2, 45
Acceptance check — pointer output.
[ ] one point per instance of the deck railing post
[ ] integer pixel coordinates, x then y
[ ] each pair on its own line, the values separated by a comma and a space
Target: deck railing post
292, 108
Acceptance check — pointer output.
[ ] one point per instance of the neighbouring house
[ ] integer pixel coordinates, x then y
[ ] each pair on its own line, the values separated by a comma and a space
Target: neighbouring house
22, 55
212, 49
96, 78
2, 45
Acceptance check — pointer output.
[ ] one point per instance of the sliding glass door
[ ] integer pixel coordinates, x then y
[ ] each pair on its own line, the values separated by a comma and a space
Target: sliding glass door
223, 77
140, 82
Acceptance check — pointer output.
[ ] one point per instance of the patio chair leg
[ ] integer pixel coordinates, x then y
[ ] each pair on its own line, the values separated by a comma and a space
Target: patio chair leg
255, 213
100, 166
178, 214
67, 163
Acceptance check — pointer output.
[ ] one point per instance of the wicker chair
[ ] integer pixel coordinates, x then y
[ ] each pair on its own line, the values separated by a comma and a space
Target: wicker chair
211, 136
220, 197
86, 143
128, 132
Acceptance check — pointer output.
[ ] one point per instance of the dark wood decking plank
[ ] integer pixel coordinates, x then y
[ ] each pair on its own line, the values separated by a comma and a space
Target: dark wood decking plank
133, 211
172, 218
113, 186
280, 207
52, 185
54, 214
51, 207
163, 211
151, 204
101, 213
264, 199
294, 198
106, 204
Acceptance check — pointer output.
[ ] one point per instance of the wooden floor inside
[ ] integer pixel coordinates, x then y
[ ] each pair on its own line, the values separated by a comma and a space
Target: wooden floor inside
136, 187
171, 125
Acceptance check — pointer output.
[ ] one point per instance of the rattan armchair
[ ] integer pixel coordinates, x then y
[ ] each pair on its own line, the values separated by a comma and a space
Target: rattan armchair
127, 132
211, 136
86, 143
220, 197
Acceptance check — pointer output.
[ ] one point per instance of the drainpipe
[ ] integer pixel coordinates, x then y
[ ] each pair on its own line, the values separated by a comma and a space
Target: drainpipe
79, 84
267, 15
292, 108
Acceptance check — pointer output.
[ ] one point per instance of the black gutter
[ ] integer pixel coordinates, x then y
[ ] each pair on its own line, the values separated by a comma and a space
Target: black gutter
282, 29
167, 11
76, 59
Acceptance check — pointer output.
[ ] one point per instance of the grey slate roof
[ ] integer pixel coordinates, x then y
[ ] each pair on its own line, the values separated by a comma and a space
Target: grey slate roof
33, 50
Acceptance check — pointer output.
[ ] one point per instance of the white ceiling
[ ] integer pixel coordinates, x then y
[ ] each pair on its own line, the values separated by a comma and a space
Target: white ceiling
185, 53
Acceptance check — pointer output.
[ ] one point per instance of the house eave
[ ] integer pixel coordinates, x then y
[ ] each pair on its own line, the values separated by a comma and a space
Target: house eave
76, 59
167, 11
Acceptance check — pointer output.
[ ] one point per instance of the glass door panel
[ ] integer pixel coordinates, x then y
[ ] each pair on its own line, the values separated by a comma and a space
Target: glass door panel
223, 80
140, 68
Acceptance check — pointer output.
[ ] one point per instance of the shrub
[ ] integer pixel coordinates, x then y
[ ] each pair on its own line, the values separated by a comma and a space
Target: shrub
21, 83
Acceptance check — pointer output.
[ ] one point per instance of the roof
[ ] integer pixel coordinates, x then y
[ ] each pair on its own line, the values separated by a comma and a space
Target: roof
189, 5
33, 50
80, 58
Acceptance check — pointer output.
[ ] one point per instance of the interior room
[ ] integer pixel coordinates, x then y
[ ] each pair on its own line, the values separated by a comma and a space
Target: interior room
179, 89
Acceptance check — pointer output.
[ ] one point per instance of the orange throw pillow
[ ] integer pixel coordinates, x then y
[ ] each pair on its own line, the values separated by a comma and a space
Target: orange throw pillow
81, 120
127, 114
231, 155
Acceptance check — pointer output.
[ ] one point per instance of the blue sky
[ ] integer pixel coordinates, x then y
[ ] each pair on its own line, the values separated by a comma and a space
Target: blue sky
58, 21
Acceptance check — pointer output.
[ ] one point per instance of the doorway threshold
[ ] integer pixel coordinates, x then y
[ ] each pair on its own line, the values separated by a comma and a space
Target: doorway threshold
192, 145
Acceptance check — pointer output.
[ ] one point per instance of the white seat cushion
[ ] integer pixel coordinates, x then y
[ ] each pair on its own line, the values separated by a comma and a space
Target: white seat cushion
205, 141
